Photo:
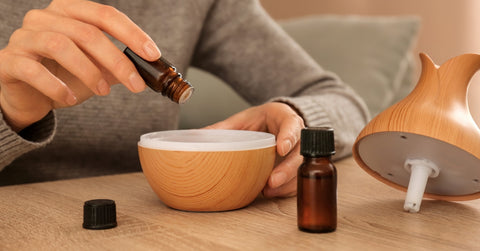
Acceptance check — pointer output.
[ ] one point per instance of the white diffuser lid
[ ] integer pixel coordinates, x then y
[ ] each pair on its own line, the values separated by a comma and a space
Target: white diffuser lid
207, 140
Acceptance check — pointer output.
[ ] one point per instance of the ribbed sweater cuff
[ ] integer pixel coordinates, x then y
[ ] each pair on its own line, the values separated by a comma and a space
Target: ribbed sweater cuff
345, 116
312, 113
13, 145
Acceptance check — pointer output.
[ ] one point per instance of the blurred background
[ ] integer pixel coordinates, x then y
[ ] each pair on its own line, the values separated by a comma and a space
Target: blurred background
448, 28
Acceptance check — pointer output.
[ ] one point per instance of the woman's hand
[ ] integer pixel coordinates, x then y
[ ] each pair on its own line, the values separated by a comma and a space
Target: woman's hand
282, 121
60, 57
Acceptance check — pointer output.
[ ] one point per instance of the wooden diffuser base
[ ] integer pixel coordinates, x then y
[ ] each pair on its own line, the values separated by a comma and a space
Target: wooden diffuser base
428, 142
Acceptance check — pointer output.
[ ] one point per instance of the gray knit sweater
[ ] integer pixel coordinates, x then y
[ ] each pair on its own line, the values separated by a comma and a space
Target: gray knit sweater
233, 39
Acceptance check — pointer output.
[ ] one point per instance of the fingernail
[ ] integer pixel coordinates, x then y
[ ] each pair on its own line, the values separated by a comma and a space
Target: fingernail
103, 88
71, 99
136, 82
287, 146
278, 179
151, 50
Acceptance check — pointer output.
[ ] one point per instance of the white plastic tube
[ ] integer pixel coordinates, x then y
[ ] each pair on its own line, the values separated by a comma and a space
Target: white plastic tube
420, 170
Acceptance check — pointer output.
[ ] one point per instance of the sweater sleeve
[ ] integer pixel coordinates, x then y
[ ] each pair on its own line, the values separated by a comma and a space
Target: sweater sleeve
13, 145
339, 108
243, 46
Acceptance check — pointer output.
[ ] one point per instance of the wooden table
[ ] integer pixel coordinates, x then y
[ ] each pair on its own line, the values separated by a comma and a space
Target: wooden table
49, 216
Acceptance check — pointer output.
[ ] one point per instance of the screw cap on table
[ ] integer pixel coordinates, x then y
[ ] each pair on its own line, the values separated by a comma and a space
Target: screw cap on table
99, 214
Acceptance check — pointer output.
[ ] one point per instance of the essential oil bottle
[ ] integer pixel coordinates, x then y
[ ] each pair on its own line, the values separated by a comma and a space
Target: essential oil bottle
162, 77
317, 181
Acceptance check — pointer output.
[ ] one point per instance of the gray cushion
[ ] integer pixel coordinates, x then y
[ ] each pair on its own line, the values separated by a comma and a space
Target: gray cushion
371, 54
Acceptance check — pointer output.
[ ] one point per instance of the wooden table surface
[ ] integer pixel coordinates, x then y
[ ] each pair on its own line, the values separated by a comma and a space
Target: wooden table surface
49, 216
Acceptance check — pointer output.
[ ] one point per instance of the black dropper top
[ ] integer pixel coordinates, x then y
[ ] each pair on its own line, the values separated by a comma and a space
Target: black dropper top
317, 142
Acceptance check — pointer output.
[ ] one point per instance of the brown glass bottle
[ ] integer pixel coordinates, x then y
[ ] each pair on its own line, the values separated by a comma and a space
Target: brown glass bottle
317, 182
162, 77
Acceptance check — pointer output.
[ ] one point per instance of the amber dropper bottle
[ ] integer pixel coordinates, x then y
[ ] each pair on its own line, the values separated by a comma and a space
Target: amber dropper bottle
162, 77
317, 182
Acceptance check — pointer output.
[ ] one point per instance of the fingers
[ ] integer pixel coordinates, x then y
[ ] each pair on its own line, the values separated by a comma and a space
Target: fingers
225, 125
117, 24
60, 48
285, 123
283, 180
286, 169
91, 40
249, 119
281, 120
32, 72
289, 133
287, 190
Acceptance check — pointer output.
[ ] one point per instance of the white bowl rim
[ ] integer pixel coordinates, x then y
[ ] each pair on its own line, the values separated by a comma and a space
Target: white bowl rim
207, 140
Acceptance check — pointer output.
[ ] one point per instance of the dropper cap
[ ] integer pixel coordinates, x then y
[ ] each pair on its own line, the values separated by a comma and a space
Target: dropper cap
317, 142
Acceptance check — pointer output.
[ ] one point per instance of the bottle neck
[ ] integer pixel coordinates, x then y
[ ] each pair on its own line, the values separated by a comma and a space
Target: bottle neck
329, 157
317, 159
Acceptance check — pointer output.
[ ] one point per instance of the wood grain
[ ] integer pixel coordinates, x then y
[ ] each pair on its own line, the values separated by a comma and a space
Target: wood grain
437, 108
48, 216
207, 181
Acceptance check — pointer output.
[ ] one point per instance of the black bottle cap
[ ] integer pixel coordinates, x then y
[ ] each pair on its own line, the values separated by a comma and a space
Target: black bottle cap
317, 142
99, 214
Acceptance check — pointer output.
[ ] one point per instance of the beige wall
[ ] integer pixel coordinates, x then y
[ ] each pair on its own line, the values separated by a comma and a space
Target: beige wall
449, 27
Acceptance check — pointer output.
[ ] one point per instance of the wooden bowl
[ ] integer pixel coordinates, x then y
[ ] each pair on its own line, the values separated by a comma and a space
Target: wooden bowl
207, 170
